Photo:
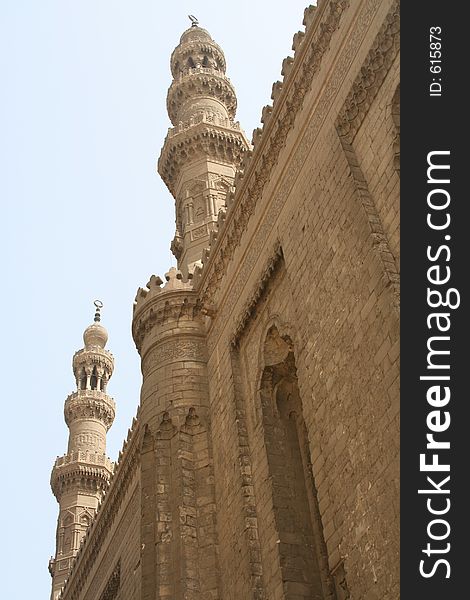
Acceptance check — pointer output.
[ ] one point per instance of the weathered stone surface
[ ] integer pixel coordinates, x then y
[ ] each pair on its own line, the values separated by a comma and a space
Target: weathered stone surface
264, 462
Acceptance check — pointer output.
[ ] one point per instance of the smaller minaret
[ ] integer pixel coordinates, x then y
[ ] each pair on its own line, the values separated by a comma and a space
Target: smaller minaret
81, 477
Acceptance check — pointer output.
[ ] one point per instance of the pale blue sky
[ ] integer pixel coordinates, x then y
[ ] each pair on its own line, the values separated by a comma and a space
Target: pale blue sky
84, 214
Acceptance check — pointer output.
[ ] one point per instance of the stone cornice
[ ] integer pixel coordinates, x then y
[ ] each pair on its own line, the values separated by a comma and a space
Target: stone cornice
371, 76
203, 117
85, 457
92, 543
170, 306
93, 356
87, 472
202, 140
90, 404
278, 121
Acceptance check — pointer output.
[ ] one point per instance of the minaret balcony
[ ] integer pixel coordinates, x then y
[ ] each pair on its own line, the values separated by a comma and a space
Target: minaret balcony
204, 140
90, 404
84, 471
92, 395
188, 72
211, 119
95, 356
85, 457
200, 83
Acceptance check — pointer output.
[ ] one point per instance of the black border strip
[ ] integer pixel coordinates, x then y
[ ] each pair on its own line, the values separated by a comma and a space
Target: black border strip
433, 123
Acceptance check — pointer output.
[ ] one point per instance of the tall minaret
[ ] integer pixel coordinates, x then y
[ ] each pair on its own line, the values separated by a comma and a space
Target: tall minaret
205, 147
81, 477
198, 163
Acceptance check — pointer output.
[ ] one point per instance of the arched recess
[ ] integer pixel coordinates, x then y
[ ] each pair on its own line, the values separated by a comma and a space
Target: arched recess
301, 546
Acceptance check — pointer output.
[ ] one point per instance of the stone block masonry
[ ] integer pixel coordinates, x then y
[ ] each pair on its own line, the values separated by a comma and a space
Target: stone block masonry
264, 460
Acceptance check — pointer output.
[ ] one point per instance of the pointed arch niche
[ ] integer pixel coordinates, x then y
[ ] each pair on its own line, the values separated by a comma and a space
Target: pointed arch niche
300, 546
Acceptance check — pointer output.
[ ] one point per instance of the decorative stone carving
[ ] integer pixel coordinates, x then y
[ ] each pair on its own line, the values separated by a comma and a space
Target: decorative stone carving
177, 245
173, 350
88, 477
192, 419
200, 82
90, 404
196, 41
111, 590
91, 357
370, 78
199, 232
201, 140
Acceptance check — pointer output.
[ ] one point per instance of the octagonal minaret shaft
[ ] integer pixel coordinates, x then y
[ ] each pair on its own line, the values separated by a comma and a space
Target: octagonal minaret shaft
81, 477
204, 149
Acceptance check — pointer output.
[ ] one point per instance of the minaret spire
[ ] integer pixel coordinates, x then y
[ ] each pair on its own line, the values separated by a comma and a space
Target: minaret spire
81, 477
98, 305
204, 149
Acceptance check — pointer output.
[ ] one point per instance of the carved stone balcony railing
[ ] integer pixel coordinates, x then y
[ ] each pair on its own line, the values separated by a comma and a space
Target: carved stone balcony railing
93, 356
84, 456
186, 73
92, 395
203, 118
90, 404
200, 82
81, 470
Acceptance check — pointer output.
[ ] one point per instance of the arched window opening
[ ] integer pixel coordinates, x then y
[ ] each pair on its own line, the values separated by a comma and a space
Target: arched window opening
94, 380
190, 63
205, 62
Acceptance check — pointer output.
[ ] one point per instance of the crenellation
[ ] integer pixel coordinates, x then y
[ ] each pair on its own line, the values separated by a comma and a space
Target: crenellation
309, 14
266, 114
287, 64
257, 136
297, 40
